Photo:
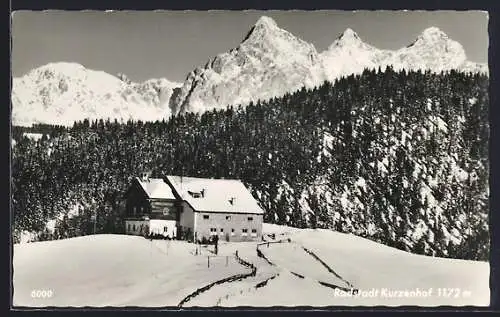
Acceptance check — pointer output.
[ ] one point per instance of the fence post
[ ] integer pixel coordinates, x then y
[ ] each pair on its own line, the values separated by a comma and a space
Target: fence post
208, 260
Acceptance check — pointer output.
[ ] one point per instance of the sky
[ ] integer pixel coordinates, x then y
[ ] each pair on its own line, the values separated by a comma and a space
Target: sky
170, 44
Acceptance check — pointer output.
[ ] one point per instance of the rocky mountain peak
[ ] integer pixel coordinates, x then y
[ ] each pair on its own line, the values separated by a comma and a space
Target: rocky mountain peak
266, 35
432, 34
433, 37
348, 39
266, 22
349, 34
434, 50
264, 27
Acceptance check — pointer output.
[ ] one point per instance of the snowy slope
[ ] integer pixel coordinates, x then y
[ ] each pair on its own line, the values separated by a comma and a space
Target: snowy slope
61, 93
112, 270
271, 61
116, 270
371, 266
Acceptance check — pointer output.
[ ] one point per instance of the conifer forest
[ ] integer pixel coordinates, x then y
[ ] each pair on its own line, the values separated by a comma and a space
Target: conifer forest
400, 158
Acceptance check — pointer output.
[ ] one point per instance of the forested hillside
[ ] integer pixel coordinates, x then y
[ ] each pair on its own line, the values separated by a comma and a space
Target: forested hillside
400, 158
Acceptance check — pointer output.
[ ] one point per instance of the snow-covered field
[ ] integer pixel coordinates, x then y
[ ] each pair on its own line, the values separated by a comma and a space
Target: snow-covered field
118, 270
113, 270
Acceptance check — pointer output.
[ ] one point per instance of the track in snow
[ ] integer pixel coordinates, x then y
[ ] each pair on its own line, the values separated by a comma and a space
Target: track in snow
265, 270
237, 277
216, 294
294, 262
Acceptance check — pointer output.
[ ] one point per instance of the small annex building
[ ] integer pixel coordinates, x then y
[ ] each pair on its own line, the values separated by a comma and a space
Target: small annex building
193, 208
150, 208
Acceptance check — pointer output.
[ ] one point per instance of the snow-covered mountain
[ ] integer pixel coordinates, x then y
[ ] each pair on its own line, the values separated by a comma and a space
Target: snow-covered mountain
268, 63
348, 54
271, 61
61, 93
432, 50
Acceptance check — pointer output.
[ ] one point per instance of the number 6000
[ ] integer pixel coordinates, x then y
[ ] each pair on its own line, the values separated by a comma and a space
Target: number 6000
41, 293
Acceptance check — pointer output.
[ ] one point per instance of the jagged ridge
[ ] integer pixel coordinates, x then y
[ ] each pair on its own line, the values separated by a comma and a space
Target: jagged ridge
271, 61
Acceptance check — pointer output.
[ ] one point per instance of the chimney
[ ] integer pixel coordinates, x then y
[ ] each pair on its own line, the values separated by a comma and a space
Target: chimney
231, 201
145, 176
203, 193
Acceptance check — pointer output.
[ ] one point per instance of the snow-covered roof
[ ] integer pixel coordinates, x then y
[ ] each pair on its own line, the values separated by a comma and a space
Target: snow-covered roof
33, 136
156, 188
215, 195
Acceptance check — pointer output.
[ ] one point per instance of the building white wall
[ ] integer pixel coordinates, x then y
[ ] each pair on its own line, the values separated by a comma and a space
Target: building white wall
158, 226
136, 227
152, 226
229, 226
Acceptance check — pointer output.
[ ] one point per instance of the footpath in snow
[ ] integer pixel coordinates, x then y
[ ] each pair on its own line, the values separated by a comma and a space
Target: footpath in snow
222, 294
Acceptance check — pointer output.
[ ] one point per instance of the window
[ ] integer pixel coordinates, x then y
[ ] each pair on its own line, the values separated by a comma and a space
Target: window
244, 232
250, 218
133, 227
205, 217
228, 217
213, 231
194, 194
254, 232
221, 229
165, 229
232, 232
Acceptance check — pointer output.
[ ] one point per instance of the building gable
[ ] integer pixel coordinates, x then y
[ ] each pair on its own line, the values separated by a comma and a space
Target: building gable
156, 188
